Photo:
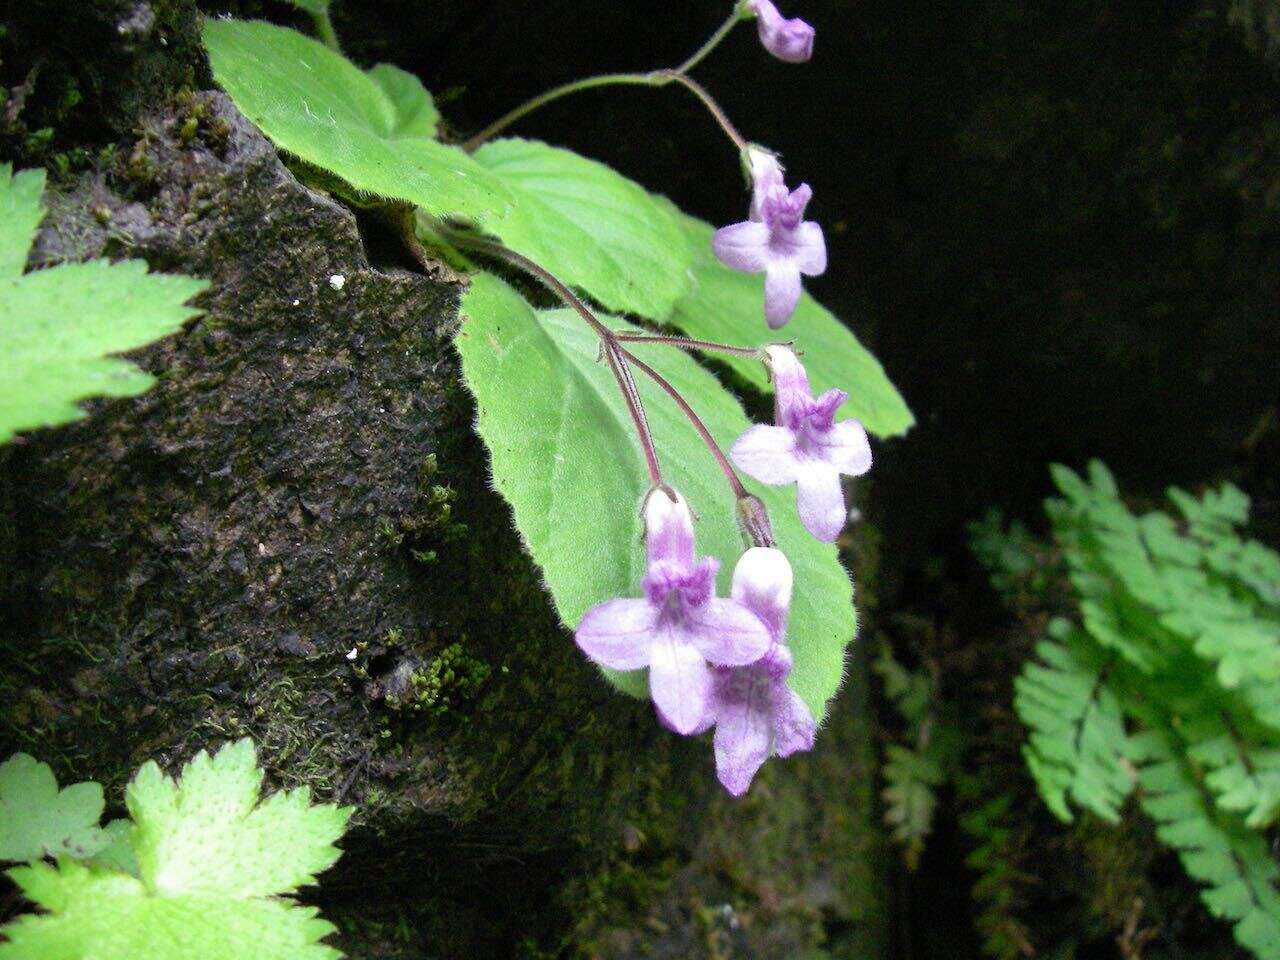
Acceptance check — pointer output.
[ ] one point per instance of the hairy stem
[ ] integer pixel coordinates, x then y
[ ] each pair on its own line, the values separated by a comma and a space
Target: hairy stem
688, 343
739, 491
614, 354
713, 41
324, 29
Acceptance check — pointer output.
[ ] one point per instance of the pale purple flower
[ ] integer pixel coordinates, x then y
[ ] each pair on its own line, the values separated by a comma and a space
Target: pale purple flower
775, 240
756, 715
678, 625
790, 40
805, 447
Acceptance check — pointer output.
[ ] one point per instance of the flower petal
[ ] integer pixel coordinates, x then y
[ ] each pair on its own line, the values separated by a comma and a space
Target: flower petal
679, 682
809, 248
668, 529
793, 725
726, 633
781, 291
762, 582
743, 246
767, 453
618, 633
744, 729
845, 447
790, 386
788, 40
820, 501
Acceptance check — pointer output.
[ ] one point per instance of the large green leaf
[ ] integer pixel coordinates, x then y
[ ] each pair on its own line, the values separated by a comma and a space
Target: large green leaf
728, 307
565, 457
316, 104
592, 227
57, 326
212, 863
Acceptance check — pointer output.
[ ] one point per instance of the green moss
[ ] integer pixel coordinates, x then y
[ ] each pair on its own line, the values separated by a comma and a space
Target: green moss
447, 679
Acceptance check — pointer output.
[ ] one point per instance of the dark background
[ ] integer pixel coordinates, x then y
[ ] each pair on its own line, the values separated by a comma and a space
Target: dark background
1056, 222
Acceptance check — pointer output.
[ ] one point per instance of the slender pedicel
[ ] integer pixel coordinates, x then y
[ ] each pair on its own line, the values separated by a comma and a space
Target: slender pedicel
739, 491
689, 343
613, 353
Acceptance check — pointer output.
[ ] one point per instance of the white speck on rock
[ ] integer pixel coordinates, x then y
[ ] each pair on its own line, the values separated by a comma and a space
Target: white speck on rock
296, 302
351, 654
337, 281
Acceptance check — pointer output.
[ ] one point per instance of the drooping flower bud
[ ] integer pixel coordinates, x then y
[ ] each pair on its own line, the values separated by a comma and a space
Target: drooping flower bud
790, 40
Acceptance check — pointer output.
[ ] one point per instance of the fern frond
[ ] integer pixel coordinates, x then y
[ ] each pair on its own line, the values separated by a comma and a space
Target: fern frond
1243, 779
1231, 861
1077, 740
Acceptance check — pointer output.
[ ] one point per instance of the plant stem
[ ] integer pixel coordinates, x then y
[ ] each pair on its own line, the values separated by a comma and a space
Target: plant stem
697, 89
687, 343
712, 42
555, 93
613, 352
739, 491
324, 29
656, 78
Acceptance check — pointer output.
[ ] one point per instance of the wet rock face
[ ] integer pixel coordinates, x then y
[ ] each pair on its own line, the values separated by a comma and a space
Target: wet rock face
215, 549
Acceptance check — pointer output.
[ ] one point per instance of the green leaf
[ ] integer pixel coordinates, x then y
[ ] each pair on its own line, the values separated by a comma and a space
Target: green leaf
20, 214
211, 861
565, 457
39, 820
728, 307
118, 854
110, 916
1077, 727
211, 835
1216, 850
415, 111
57, 325
910, 797
592, 227
315, 103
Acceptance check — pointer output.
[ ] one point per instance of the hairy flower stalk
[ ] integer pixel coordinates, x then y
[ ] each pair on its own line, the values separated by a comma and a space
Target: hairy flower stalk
805, 447
678, 625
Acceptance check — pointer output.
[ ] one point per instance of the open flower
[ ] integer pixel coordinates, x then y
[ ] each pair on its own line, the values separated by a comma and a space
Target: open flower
756, 715
805, 447
775, 240
678, 625
787, 39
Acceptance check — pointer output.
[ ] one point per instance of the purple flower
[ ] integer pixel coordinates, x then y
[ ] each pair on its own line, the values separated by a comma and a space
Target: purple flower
678, 625
755, 713
789, 40
806, 447
776, 240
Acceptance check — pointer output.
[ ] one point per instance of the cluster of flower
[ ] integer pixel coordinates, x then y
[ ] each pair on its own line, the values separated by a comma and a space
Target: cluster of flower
723, 662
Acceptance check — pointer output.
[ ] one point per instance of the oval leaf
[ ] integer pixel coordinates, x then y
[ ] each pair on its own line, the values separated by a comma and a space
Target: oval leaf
565, 457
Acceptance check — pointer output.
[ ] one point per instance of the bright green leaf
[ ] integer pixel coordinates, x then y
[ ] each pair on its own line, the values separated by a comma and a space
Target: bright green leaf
118, 853
211, 863
726, 306
210, 835
315, 103
415, 111
592, 227
565, 457
58, 325
20, 214
39, 820
111, 916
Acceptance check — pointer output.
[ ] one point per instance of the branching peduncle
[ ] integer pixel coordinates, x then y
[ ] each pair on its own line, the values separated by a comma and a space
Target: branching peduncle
654, 78
613, 352
739, 491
